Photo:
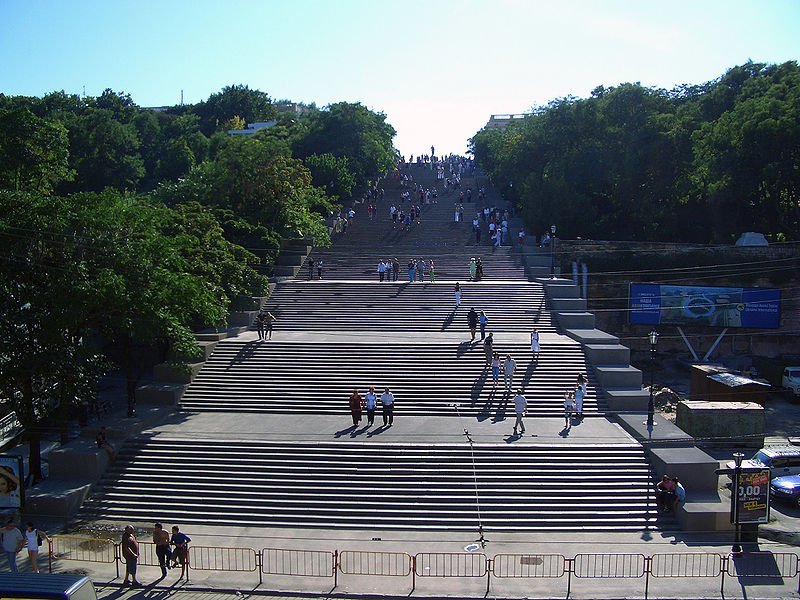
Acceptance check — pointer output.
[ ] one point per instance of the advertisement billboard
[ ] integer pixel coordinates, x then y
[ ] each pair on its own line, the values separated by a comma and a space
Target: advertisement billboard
10, 481
656, 304
753, 496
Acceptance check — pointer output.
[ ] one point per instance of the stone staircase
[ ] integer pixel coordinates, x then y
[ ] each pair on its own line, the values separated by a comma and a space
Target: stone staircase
350, 331
317, 378
386, 486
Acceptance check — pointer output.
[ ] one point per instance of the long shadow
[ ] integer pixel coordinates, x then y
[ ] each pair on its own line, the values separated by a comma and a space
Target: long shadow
486, 409
377, 431
564, 433
537, 313
477, 385
403, 285
529, 371
342, 432
448, 320
357, 432
246, 352
463, 347
502, 408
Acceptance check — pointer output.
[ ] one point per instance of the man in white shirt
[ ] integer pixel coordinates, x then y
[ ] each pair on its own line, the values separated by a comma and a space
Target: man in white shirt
509, 367
387, 401
520, 407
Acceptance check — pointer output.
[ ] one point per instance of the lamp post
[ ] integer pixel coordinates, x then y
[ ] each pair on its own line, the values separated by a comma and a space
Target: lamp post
651, 407
737, 541
552, 251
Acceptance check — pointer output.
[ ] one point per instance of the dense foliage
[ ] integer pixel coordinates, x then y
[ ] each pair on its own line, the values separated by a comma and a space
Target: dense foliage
697, 163
125, 229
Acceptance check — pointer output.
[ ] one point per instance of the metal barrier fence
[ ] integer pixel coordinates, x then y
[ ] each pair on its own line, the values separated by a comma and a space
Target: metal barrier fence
321, 563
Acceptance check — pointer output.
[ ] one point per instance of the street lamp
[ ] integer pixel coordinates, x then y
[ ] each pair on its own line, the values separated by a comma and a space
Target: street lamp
552, 251
737, 542
651, 407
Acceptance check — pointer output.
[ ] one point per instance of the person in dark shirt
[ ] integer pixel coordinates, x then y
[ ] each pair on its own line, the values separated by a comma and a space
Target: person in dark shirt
180, 552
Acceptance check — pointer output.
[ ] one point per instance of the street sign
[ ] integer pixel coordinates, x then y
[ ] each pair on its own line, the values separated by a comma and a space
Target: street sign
753, 496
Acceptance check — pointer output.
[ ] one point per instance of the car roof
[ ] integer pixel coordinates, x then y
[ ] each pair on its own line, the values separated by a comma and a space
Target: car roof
781, 451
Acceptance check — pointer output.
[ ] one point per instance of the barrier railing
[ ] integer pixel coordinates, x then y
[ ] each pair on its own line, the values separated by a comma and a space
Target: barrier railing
321, 563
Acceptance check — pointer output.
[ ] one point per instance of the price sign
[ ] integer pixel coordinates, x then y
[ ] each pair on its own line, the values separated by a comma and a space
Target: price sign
753, 496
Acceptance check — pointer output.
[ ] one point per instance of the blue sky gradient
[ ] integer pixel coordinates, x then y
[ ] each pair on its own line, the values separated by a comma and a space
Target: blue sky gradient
436, 69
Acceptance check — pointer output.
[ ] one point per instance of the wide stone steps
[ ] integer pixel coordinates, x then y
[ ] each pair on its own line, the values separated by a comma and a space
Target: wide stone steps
329, 306
390, 486
318, 377
450, 264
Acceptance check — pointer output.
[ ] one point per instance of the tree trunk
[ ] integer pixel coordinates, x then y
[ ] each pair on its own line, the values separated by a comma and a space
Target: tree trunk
35, 455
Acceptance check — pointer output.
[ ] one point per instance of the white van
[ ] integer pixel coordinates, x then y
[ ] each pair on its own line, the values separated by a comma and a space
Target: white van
781, 460
46, 586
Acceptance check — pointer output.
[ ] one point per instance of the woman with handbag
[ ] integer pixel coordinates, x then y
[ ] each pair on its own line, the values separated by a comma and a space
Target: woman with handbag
33, 539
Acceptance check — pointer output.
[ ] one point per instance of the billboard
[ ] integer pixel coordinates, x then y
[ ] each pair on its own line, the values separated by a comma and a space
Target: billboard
10, 481
656, 304
753, 496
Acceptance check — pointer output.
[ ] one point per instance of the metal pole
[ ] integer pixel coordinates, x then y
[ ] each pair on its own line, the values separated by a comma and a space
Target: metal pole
737, 544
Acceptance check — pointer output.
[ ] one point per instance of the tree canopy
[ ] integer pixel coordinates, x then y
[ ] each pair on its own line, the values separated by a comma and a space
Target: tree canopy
697, 163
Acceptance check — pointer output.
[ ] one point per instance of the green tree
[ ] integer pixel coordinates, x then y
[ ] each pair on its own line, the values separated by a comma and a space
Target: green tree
34, 152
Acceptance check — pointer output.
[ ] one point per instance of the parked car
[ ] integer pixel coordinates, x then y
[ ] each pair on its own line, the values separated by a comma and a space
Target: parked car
781, 460
791, 380
786, 489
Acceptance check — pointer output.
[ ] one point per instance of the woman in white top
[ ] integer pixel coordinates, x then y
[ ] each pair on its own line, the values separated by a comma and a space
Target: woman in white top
535, 347
32, 537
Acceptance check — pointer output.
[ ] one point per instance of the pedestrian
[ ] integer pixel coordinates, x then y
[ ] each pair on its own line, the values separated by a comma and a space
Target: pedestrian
482, 320
535, 347
260, 317
269, 319
479, 269
495, 370
356, 404
488, 347
381, 270
33, 539
569, 408
509, 368
13, 542
387, 402
473, 269
163, 551
370, 400
458, 294
431, 273
582, 380
319, 268
520, 408
579, 393
395, 269
180, 551
421, 270
411, 267
472, 322
130, 552
310, 268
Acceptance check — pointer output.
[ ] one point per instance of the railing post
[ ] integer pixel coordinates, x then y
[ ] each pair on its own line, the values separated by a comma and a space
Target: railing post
489, 565
413, 573
50, 555
570, 568
117, 556
260, 564
648, 564
725, 560
335, 568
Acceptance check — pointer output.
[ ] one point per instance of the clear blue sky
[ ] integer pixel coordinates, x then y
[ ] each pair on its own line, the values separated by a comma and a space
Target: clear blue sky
437, 69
